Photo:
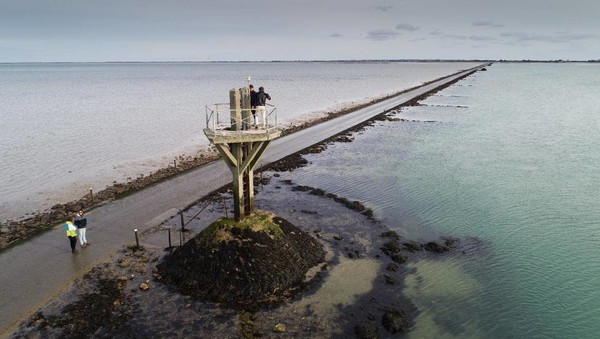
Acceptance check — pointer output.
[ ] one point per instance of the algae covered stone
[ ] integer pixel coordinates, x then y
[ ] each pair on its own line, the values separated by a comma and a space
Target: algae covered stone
252, 260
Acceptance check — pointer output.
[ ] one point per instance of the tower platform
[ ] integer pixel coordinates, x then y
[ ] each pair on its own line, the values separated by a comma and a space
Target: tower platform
241, 134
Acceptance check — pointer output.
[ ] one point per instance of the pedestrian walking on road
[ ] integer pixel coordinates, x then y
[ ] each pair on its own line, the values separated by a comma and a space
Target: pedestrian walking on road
71, 233
81, 223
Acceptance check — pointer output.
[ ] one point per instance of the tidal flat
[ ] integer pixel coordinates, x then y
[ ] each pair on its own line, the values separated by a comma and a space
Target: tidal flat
358, 290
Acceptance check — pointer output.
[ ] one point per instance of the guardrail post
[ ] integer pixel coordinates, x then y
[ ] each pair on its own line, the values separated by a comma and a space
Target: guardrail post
137, 240
182, 223
170, 246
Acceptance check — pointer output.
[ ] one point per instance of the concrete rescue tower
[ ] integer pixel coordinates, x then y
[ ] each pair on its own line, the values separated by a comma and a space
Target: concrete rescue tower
241, 143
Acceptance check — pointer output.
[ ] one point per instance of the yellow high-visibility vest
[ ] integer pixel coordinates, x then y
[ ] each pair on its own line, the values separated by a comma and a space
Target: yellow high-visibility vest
71, 230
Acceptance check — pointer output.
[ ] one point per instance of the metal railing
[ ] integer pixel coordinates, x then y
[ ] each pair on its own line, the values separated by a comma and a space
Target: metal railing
219, 117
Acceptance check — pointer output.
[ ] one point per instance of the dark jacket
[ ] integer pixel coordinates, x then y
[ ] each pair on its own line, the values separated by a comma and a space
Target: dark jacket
253, 98
262, 98
80, 222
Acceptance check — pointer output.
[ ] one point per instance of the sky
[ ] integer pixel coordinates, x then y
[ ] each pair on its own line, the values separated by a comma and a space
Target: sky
265, 30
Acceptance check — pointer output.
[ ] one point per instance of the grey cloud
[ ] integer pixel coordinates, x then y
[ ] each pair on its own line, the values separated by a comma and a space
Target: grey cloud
559, 37
382, 34
382, 8
456, 36
406, 27
487, 24
336, 35
441, 34
481, 38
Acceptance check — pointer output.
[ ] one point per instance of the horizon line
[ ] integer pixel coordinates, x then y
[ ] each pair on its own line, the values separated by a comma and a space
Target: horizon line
311, 60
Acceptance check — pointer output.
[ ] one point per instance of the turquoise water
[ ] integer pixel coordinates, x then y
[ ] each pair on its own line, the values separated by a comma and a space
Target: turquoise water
510, 158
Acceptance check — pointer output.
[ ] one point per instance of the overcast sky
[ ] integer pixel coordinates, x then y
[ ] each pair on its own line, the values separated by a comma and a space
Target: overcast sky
232, 30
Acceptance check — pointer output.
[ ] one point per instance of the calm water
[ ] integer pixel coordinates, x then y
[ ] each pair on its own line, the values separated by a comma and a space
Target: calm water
511, 159
67, 127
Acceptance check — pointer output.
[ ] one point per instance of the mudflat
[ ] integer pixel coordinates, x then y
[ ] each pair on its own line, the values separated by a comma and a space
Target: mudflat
355, 292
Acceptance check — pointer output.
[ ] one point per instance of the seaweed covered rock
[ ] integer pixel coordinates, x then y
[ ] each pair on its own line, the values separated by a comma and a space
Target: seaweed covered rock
252, 260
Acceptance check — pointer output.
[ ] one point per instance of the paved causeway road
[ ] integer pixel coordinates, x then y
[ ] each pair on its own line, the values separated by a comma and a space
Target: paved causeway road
33, 273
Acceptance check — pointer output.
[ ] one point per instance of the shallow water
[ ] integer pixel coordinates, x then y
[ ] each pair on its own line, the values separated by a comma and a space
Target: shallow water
69, 127
348, 290
511, 159
337, 292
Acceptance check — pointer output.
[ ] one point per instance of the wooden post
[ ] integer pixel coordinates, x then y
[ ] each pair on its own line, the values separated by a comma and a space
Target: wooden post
248, 179
182, 223
250, 194
246, 113
169, 237
137, 240
181, 234
236, 112
238, 185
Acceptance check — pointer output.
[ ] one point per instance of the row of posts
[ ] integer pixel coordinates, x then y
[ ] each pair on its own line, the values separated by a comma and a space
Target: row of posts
181, 233
181, 239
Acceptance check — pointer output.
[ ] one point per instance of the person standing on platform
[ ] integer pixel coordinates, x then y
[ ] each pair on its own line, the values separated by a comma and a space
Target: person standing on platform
81, 223
253, 101
71, 234
261, 102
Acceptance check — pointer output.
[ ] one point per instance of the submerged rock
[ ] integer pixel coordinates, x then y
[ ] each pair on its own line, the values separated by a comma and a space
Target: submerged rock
433, 246
395, 321
260, 257
366, 331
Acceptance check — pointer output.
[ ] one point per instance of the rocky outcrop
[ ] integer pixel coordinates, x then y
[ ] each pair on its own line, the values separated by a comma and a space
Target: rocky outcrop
242, 265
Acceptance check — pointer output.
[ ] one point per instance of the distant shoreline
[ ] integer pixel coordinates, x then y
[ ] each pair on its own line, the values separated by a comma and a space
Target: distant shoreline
301, 61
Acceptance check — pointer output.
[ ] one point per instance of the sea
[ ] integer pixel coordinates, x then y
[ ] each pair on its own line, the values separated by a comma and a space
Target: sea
68, 128
506, 160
